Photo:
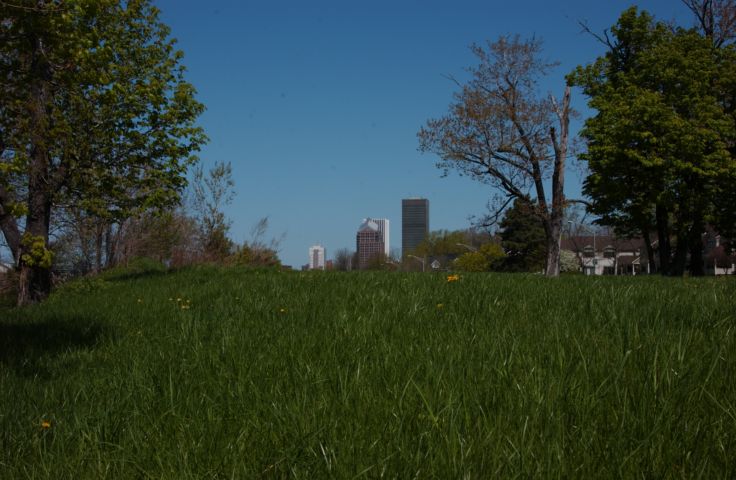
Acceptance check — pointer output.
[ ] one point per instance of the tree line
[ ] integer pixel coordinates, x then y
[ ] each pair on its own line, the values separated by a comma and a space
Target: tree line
659, 149
98, 130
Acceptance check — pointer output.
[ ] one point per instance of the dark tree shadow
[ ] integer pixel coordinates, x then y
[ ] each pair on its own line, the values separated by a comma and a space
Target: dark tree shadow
30, 348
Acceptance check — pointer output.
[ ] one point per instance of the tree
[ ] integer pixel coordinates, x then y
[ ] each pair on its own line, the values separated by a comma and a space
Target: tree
211, 193
95, 113
257, 252
442, 243
716, 19
502, 132
523, 237
344, 259
569, 262
660, 148
489, 256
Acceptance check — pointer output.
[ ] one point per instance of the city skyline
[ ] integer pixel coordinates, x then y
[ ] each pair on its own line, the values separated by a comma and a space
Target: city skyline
304, 98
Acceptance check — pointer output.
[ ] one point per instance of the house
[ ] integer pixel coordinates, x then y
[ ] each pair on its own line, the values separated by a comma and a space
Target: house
717, 260
608, 254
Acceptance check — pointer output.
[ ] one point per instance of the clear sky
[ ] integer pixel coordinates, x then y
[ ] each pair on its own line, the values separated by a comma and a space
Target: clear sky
317, 103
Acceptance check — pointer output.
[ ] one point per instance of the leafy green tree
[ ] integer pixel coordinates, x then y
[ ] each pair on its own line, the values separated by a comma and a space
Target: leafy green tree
523, 238
95, 112
502, 131
489, 256
442, 243
660, 148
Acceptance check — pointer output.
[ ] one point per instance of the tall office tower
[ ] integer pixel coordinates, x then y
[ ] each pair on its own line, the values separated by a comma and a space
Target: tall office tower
368, 243
414, 223
317, 257
383, 227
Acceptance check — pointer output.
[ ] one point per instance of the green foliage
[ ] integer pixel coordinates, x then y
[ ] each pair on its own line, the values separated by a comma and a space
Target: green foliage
441, 243
522, 238
95, 113
662, 138
36, 254
210, 372
489, 256
472, 262
255, 256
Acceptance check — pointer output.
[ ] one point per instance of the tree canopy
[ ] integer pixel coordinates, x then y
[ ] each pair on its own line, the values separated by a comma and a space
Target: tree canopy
660, 147
502, 131
95, 112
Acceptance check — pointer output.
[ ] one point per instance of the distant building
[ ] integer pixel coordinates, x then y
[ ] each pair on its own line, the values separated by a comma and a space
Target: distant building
369, 243
414, 223
383, 228
317, 257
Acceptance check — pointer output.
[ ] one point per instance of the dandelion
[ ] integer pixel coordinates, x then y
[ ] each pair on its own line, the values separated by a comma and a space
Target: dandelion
282, 310
453, 278
440, 305
45, 424
140, 300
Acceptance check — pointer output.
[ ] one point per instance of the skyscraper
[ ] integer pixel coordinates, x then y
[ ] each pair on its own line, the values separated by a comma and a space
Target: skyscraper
368, 243
414, 223
317, 257
383, 228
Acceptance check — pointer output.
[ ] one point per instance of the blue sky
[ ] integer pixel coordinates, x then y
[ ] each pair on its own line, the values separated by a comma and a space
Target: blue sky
317, 104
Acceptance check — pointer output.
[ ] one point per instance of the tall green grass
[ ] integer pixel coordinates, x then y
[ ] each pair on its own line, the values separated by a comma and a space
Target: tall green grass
209, 373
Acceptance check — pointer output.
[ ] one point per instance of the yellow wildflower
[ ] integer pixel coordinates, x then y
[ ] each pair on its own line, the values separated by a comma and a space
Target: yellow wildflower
453, 278
45, 424
282, 310
440, 305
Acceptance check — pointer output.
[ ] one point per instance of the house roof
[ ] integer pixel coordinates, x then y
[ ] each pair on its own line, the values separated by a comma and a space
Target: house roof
579, 242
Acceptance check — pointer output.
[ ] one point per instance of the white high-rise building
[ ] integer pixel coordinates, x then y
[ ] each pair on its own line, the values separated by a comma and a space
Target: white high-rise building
383, 227
317, 257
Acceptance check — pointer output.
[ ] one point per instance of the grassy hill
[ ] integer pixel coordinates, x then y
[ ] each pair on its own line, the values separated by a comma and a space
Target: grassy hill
222, 373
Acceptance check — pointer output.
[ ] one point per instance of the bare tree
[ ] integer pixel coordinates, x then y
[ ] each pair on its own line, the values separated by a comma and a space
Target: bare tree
501, 131
212, 192
343, 259
716, 19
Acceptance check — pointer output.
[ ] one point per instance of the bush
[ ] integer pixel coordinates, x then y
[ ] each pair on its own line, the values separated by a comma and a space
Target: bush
569, 262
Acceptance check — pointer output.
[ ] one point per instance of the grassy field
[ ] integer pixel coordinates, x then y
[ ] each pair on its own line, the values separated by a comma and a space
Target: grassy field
209, 373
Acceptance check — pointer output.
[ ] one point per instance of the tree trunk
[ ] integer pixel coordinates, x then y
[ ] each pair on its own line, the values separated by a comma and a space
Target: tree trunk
697, 268
34, 282
663, 237
554, 227
98, 247
650, 251
681, 249
552, 268
110, 246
